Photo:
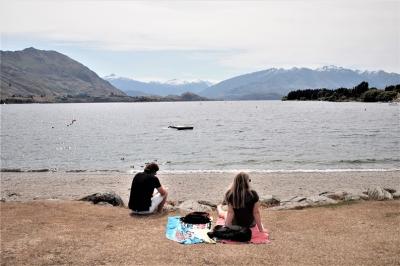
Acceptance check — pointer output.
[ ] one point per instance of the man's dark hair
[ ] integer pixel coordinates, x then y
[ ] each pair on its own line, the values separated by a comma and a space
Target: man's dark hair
151, 168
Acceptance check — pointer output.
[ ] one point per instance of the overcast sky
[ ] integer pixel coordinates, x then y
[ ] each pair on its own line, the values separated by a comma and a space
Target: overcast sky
213, 40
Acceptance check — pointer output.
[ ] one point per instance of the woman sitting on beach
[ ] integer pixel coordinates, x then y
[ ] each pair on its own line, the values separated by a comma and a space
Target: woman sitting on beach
243, 204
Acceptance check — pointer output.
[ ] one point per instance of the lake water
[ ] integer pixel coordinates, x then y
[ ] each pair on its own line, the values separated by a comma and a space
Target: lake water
227, 136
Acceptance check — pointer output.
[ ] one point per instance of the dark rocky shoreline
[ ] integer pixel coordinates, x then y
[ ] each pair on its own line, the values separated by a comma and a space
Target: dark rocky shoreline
283, 190
326, 198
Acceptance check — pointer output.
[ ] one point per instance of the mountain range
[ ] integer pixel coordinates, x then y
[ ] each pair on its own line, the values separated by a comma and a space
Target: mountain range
274, 83
171, 87
49, 76
270, 84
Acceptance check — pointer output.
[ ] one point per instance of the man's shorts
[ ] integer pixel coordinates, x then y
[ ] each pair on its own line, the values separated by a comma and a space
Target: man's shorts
155, 201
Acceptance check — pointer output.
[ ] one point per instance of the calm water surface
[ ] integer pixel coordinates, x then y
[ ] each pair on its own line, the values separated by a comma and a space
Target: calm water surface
248, 135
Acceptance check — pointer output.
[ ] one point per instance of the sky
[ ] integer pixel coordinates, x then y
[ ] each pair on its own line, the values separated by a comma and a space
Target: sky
208, 40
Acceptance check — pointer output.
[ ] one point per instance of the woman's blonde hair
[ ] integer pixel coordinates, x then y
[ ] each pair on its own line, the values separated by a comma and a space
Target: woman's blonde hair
238, 190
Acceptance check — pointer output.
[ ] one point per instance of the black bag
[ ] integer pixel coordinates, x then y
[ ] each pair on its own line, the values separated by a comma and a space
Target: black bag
196, 218
233, 232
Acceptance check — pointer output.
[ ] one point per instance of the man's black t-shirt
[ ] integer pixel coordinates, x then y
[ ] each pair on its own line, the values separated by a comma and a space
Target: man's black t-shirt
244, 216
142, 188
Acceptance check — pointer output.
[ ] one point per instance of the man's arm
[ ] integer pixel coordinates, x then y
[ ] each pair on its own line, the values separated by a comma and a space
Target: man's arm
162, 191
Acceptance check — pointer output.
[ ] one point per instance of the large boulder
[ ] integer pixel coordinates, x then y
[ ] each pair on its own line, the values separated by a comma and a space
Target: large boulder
388, 196
269, 200
363, 196
378, 193
355, 194
351, 197
396, 195
395, 192
337, 195
320, 200
390, 190
292, 205
193, 206
108, 197
294, 199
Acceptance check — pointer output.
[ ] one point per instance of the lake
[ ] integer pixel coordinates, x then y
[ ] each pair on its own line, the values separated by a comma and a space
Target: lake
227, 136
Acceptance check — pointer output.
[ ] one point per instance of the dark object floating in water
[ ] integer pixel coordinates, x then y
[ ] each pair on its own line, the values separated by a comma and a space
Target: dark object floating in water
38, 170
181, 127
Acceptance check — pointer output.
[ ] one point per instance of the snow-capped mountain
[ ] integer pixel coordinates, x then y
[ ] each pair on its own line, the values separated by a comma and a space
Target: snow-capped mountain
274, 83
178, 82
134, 87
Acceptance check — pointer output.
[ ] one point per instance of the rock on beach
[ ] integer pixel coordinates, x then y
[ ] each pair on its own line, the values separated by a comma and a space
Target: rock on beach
337, 195
108, 197
320, 200
328, 198
269, 200
378, 193
396, 195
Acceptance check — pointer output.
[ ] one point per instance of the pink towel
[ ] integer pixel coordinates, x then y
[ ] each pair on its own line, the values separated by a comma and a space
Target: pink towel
257, 237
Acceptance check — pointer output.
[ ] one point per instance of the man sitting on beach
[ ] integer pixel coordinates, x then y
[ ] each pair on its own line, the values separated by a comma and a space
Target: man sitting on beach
142, 199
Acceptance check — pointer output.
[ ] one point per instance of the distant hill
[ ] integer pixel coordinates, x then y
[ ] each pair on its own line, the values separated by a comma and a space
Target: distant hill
274, 83
184, 97
172, 87
187, 96
49, 76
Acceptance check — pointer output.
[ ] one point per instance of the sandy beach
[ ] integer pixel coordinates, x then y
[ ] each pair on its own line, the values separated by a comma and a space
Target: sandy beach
78, 233
43, 224
197, 186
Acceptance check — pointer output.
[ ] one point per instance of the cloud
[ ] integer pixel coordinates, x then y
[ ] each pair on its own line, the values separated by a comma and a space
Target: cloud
261, 32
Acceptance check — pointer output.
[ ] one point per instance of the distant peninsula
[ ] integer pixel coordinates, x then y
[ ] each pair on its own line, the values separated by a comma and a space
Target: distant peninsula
84, 98
360, 93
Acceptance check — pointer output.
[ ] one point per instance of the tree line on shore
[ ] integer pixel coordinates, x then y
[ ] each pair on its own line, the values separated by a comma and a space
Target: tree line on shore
85, 98
361, 92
